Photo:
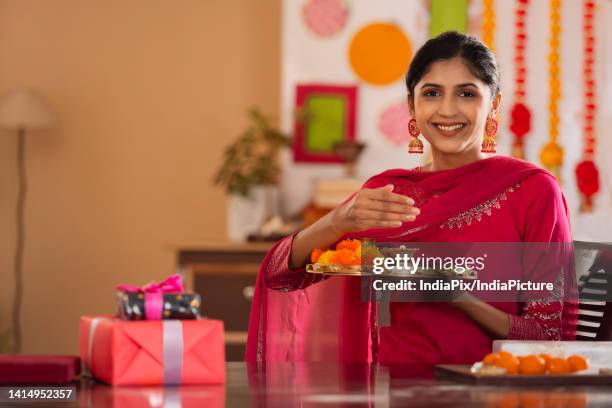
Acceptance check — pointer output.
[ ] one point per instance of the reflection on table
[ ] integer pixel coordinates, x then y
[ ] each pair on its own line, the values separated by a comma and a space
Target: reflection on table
328, 384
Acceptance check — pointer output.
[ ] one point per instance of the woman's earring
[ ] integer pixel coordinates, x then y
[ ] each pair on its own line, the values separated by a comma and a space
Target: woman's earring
415, 145
488, 143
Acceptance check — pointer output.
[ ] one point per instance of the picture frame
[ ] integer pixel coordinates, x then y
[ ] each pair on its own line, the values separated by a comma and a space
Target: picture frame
325, 116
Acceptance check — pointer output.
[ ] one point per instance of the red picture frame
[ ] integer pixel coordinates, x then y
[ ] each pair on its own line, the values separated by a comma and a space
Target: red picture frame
342, 101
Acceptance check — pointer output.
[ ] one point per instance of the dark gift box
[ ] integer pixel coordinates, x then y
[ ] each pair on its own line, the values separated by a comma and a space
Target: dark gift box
158, 301
184, 306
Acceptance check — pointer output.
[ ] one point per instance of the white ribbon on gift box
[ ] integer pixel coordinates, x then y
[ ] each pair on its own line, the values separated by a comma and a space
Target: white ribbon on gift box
172, 343
86, 363
173, 351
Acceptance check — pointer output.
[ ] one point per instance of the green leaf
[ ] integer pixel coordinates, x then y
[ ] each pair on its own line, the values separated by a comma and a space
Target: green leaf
252, 158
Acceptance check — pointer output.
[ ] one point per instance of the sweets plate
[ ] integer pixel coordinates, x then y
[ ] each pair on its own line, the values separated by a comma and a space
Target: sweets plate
465, 374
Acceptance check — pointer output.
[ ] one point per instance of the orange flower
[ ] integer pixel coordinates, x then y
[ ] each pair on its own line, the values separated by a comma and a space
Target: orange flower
327, 258
343, 257
351, 244
316, 253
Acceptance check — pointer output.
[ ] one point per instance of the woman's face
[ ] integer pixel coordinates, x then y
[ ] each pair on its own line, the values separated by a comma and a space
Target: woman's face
451, 107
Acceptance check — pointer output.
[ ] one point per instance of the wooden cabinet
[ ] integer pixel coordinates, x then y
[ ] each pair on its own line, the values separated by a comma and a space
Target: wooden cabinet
224, 275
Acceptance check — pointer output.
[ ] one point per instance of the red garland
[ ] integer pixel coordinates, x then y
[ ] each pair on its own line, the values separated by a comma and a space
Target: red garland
587, 175
520, 121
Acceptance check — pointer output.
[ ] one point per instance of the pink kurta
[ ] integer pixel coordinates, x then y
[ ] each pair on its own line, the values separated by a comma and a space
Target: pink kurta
298, 316
531, 211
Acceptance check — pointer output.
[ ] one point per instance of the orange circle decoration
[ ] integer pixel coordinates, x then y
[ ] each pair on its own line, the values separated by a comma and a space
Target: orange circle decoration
380, 53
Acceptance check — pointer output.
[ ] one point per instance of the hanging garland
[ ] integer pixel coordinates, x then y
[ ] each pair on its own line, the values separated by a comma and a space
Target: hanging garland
587, 175
488, 37
520, 115
552, 154
488, 23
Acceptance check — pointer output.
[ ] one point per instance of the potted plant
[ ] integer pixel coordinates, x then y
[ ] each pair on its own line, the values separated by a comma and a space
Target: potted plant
250, 173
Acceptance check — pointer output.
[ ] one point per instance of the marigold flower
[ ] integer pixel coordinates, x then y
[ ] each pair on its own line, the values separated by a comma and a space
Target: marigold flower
315, 254
351, 244
326, 258
343, 257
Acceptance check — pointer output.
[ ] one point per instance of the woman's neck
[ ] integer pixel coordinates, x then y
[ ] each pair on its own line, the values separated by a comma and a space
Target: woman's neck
443, 161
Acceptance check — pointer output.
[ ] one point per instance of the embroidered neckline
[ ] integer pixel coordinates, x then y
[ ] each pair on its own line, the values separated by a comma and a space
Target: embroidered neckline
476, 213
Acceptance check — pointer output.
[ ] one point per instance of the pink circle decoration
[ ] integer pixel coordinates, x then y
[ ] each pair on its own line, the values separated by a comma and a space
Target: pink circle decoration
393, 123
325, 17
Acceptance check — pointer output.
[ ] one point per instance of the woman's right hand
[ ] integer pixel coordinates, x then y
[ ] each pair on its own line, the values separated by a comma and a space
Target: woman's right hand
374, 208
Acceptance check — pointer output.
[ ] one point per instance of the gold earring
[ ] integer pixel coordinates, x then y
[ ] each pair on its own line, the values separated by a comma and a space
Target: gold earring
488, 143
415, 145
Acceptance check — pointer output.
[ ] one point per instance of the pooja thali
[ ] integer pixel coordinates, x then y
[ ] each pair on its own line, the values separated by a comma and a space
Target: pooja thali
361, 270
341, 270
354, 257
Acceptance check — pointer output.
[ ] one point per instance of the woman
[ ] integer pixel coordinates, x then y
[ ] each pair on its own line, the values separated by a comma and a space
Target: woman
454, 97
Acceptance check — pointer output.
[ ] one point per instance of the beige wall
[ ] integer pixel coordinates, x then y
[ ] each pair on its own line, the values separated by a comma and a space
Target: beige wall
147, 92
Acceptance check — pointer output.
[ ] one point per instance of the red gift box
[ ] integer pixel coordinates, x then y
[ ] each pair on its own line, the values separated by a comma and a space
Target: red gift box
122, 352
20, 369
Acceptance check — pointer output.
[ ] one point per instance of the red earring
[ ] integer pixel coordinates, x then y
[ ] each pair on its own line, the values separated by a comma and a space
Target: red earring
415, 145
488, 143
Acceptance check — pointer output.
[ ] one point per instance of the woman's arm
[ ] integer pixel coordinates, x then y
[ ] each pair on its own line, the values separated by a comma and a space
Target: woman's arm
543, 219
280, 276
321, 234
491, 319
368, 208
539, 320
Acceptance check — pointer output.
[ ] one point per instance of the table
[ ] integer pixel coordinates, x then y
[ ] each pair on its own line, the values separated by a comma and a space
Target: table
328, 384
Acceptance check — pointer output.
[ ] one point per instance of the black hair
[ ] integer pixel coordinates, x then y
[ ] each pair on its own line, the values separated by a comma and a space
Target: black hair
479, 59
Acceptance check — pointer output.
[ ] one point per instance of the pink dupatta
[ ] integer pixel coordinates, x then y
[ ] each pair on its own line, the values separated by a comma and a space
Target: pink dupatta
315, 319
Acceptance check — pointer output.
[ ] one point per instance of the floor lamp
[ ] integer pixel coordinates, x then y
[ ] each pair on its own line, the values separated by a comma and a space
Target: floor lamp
22, 110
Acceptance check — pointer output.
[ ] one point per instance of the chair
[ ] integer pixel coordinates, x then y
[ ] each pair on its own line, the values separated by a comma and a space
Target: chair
595, 292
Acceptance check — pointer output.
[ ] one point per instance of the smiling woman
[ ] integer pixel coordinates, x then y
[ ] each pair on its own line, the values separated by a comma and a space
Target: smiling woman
461, 196
453, 92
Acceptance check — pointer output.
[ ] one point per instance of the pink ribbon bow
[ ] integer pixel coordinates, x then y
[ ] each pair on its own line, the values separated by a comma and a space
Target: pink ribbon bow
154, 294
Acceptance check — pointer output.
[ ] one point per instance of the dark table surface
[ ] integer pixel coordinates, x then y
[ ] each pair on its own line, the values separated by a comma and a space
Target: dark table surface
327, 384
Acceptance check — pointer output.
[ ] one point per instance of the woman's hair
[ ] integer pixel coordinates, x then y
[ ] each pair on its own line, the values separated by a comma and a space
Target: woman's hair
479, 59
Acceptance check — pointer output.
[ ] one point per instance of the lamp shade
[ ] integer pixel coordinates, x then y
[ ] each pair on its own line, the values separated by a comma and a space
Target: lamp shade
24, 109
